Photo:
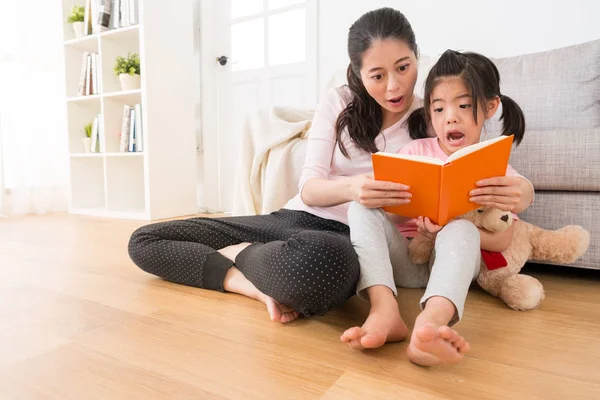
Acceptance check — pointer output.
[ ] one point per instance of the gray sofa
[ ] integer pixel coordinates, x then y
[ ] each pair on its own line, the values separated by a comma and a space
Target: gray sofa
559, 92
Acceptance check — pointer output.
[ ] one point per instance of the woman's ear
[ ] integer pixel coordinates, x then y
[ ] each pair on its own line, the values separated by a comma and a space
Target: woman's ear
492, 107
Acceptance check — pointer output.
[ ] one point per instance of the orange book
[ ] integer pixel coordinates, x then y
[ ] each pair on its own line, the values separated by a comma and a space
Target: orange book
440, 190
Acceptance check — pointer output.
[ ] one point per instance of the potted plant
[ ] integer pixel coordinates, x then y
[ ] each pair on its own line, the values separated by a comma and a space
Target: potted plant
128, 71
87, 141
76, 19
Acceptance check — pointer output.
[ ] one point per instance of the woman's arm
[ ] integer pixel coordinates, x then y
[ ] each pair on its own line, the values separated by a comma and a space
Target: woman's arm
361, 188
316, 189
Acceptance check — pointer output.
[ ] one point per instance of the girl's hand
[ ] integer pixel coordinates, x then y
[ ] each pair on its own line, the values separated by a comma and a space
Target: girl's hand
503, 192
374, 194
427, 228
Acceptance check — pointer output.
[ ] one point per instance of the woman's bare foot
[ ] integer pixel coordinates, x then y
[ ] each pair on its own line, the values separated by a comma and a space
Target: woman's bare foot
384, 323
432, 341
236, 282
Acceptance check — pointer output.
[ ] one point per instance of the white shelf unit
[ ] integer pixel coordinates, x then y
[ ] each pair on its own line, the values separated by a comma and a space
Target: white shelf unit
159, 182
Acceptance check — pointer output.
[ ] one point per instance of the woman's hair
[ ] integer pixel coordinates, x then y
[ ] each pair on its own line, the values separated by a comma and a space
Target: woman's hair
363, 116
482, 78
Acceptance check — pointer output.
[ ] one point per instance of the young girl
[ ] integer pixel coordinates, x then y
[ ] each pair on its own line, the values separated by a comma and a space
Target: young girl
461, 92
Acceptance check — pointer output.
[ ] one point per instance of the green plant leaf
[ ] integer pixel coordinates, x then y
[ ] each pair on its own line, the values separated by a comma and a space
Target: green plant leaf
76, 15
88, 129
127, 65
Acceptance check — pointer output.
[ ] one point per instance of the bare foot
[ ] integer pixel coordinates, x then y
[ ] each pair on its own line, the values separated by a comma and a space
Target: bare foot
236, 282
279, 312
432, 345
384, 324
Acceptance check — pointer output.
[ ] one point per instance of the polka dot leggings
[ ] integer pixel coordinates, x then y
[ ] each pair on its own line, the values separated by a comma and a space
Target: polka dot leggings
299, 259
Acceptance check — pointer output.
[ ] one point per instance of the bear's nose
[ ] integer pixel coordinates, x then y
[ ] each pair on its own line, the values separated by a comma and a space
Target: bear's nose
504, 218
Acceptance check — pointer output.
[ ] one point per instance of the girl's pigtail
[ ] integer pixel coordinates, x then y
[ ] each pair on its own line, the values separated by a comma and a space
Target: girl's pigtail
513, 119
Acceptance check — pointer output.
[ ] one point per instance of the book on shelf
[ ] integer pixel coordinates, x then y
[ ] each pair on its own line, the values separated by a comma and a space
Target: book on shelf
89, 78
102, 15
440, 190
131, 136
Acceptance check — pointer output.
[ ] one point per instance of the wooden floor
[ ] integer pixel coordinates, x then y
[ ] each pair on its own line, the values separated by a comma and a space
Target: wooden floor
80, 321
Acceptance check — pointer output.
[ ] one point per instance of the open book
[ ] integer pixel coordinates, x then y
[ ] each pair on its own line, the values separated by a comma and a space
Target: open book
440, 190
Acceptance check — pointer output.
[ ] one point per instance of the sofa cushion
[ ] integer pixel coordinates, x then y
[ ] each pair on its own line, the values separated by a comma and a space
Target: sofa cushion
567, 159
557, 89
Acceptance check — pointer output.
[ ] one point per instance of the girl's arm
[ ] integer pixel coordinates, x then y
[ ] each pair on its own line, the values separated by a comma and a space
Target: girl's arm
509, 193
490, 241
496, 241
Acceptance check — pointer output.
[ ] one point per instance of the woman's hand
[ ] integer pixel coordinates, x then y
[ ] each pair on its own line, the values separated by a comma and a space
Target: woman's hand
374, 194
503, 192
427, 228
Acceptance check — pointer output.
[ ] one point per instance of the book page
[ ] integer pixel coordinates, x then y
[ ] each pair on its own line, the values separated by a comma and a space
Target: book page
414, 157
474, 147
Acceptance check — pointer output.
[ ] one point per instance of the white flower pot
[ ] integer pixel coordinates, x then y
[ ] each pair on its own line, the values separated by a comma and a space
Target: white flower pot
130, 82
87, 144
78, 28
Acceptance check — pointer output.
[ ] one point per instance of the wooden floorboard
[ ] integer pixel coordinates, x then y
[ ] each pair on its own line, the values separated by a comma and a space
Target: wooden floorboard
80, 321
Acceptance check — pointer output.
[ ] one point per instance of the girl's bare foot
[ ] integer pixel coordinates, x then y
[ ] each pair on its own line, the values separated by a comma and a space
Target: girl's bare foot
432, 341
384, 323
236, 282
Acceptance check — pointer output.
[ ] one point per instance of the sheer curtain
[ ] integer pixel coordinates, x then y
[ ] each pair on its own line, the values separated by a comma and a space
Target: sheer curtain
33, 137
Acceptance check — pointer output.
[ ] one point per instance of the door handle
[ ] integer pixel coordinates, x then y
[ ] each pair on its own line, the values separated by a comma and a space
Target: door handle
222, 60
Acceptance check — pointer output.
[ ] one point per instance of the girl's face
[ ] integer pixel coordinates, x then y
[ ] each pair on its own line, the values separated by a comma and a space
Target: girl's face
452, 115
389, 73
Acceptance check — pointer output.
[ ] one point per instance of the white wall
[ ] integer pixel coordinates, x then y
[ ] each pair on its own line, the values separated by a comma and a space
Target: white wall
496, 29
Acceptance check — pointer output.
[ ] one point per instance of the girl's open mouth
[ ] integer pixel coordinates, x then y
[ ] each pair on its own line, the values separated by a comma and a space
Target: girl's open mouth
454, 136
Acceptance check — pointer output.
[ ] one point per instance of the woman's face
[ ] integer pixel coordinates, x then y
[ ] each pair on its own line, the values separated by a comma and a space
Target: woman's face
389, 73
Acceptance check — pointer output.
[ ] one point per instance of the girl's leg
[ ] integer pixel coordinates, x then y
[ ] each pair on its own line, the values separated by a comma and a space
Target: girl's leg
456, 265
384, 263
194, 252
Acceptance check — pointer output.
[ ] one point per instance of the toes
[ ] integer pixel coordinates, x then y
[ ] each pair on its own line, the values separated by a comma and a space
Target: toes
464, 348
372, 341
356, 344
274, 312
425, 333
351, 334
455, 339
448, 333
289, 316
459, 343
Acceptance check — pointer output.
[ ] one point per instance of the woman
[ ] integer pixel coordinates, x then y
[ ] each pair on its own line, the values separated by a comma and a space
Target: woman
299, 260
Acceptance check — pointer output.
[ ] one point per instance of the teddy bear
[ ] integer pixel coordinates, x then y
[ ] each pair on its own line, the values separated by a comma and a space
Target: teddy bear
499, 273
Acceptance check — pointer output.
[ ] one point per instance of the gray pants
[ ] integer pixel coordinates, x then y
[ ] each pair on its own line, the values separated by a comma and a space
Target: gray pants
383, 256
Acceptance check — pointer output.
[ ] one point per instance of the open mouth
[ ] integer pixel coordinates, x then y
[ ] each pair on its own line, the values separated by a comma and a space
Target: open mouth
455, 135
396, 100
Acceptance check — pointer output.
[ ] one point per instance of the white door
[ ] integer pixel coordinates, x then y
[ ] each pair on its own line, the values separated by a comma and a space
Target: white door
255, 54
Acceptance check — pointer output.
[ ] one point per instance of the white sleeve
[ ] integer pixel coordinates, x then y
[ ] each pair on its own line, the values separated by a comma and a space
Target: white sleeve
322, 138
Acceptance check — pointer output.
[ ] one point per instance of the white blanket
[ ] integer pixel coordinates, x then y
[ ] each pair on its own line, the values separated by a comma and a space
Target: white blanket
270, 159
